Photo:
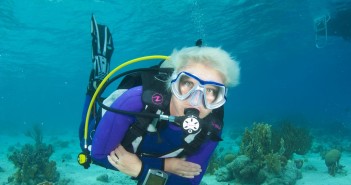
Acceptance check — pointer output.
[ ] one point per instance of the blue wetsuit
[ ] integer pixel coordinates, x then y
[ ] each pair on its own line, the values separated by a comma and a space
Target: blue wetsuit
112, 128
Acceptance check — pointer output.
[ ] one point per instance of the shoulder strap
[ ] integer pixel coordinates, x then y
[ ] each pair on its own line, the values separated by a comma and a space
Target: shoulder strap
155, 93
155, 97
136, 132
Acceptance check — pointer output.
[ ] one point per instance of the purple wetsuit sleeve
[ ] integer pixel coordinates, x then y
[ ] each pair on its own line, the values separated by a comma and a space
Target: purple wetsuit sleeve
113, 126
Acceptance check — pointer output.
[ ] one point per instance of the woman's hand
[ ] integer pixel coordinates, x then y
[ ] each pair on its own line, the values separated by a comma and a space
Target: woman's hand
182, 168
125, 161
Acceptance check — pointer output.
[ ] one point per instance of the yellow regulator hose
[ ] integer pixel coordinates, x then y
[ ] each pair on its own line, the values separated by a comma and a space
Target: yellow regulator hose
152, 57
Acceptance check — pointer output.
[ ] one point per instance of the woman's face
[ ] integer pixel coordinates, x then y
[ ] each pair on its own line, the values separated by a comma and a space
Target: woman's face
205, 73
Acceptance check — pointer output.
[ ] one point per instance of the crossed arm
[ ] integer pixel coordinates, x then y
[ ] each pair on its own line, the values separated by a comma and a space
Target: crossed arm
130, 164
182, 171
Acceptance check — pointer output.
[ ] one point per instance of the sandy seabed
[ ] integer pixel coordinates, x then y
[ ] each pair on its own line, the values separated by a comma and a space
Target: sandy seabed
67, 148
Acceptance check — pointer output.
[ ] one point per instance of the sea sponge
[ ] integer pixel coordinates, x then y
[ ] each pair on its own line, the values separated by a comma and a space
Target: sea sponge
332, 159
228, 158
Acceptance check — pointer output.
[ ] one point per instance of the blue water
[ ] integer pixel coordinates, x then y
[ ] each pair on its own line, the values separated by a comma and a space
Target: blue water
45, 56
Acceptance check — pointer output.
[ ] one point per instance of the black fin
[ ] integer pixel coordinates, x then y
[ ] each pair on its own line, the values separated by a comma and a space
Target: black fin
102, 50
102, 41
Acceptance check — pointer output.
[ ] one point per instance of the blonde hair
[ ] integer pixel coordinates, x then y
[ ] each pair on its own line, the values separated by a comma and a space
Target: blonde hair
216, 58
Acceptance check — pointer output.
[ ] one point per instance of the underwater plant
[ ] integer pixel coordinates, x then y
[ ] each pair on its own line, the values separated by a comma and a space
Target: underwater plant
36, 134
296, 139
32, 161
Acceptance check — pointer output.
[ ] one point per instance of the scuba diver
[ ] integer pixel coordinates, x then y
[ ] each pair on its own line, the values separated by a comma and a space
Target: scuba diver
162, 124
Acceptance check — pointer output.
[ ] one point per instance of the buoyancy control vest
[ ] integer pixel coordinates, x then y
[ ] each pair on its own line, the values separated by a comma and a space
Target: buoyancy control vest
156, 98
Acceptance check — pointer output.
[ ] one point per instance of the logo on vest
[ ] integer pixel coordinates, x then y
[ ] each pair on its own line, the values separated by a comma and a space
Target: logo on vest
215, 125
191, 124
157, 98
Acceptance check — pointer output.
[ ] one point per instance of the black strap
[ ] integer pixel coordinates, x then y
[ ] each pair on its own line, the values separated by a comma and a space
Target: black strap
194, 146
137, 129
131, 80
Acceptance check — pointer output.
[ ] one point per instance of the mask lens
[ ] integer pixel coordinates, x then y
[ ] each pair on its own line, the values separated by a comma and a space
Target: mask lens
186, 84
183, 85
214, 96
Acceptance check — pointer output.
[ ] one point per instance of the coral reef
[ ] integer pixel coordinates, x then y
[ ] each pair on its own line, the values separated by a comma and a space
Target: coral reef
288, 175
243, 169
273, 162
219, 158
32, 161
245, 172
296, 139
223, 175
258, 161
332, 159
256, 144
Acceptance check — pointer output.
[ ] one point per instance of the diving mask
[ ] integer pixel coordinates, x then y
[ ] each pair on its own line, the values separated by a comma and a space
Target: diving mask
188, 86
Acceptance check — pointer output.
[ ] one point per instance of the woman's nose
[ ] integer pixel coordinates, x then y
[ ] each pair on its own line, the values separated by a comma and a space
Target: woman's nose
196, 98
